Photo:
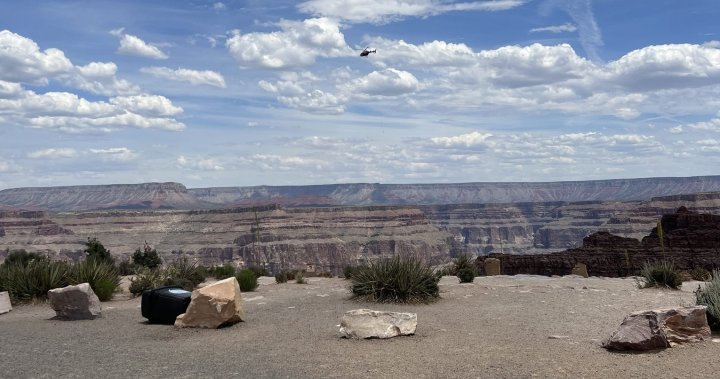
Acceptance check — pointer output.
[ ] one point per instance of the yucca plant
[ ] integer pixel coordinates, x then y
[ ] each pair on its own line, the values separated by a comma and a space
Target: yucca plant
25, 282
146, 279
401, 279
710, 297
100, 274
659, 274
185, 273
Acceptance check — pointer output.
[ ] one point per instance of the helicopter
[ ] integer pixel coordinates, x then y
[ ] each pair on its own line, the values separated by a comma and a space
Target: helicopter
367, 52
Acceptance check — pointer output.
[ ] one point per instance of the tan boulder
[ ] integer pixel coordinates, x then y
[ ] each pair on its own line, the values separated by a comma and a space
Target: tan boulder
213, 306
660, 328
5, 305
492, 266
580, 269
77, 302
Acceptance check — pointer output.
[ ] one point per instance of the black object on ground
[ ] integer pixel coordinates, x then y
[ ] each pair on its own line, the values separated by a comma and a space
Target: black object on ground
162, 305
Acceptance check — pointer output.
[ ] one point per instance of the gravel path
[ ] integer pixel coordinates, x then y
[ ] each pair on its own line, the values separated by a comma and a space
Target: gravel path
496, 327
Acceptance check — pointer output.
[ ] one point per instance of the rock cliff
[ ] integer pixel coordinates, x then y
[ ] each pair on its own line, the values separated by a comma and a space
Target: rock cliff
689, 240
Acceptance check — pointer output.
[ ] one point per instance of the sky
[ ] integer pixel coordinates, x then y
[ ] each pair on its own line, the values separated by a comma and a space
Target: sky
274, 92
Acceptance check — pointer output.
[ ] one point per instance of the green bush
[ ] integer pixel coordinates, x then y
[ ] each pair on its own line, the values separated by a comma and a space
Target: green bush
94, 250
101, 275
148, 257
348, 271
462, 262
146, 279
26, 282
126, 268
398, 280
710, 297
659, 274
466, 275
247, 280
300, 278
281, 277
225, 271
21, 256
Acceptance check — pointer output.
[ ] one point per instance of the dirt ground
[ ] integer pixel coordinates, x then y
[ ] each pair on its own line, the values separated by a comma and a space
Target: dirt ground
496, 327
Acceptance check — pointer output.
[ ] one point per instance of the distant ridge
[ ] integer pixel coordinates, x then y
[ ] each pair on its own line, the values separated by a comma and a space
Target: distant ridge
175, 196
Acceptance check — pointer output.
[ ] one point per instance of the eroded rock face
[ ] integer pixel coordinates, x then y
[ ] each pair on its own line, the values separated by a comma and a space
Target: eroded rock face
366, 323
213, 306
690, 240
5, 305
661, 328
77, 302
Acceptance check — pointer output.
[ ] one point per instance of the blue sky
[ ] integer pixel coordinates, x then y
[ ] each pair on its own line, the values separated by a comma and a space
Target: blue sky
224, 93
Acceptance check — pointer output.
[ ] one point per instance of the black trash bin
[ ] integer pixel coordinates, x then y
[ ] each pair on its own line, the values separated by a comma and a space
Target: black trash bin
162, 305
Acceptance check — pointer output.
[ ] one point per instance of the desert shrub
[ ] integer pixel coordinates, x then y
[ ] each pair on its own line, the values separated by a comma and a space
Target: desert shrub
148, 257
466, 275
225, 271
100, 274
659, 274
700, 274
21, 256
94, 250
281, 277
25, 282
184, 273
247, 280
462, 262
259, 271
348, 271
146, 279
710, 297
399, 279
300, 278
291, 274
126, 268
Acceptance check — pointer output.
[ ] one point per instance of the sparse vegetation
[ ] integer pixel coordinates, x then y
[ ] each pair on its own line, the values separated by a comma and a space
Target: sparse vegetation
348, 271
710, 297
127, 268
146, 279
700, 274
148, 257
281, 277
32, 279
184, 273
401, 279
300, 278
95, 250
659, 274
247, 280
20, 256
223, 272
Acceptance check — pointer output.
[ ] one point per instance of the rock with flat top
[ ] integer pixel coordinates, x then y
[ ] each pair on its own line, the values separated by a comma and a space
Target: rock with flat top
77, 302
5, 305
580, 269
660, 328
366, 323
213, 306
492, 266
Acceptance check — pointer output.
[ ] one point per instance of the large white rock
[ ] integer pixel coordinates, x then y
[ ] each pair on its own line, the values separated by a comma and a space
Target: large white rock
75, 302
366, 323
213, 306
5, 305
660, 328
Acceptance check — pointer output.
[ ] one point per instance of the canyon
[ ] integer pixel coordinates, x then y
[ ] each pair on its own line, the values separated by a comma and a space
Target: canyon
213, 227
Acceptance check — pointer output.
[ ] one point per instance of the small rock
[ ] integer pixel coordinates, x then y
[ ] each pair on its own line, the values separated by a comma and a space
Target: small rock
5, 305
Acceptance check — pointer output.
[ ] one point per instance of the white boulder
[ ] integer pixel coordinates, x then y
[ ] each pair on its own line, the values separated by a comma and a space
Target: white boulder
366, 323
75, 302
213, 306
5, 305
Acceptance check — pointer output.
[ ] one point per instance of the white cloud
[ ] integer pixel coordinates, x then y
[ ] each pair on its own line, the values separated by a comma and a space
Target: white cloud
116, 154
196, 77
383, 11
9, 90
147, 105
54, 153
298, 43
99, 78
132, 45
8, 166
21, 60
473, 139
219, 6
564, 28
202, 164
581, 12
712, 125
388, 82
